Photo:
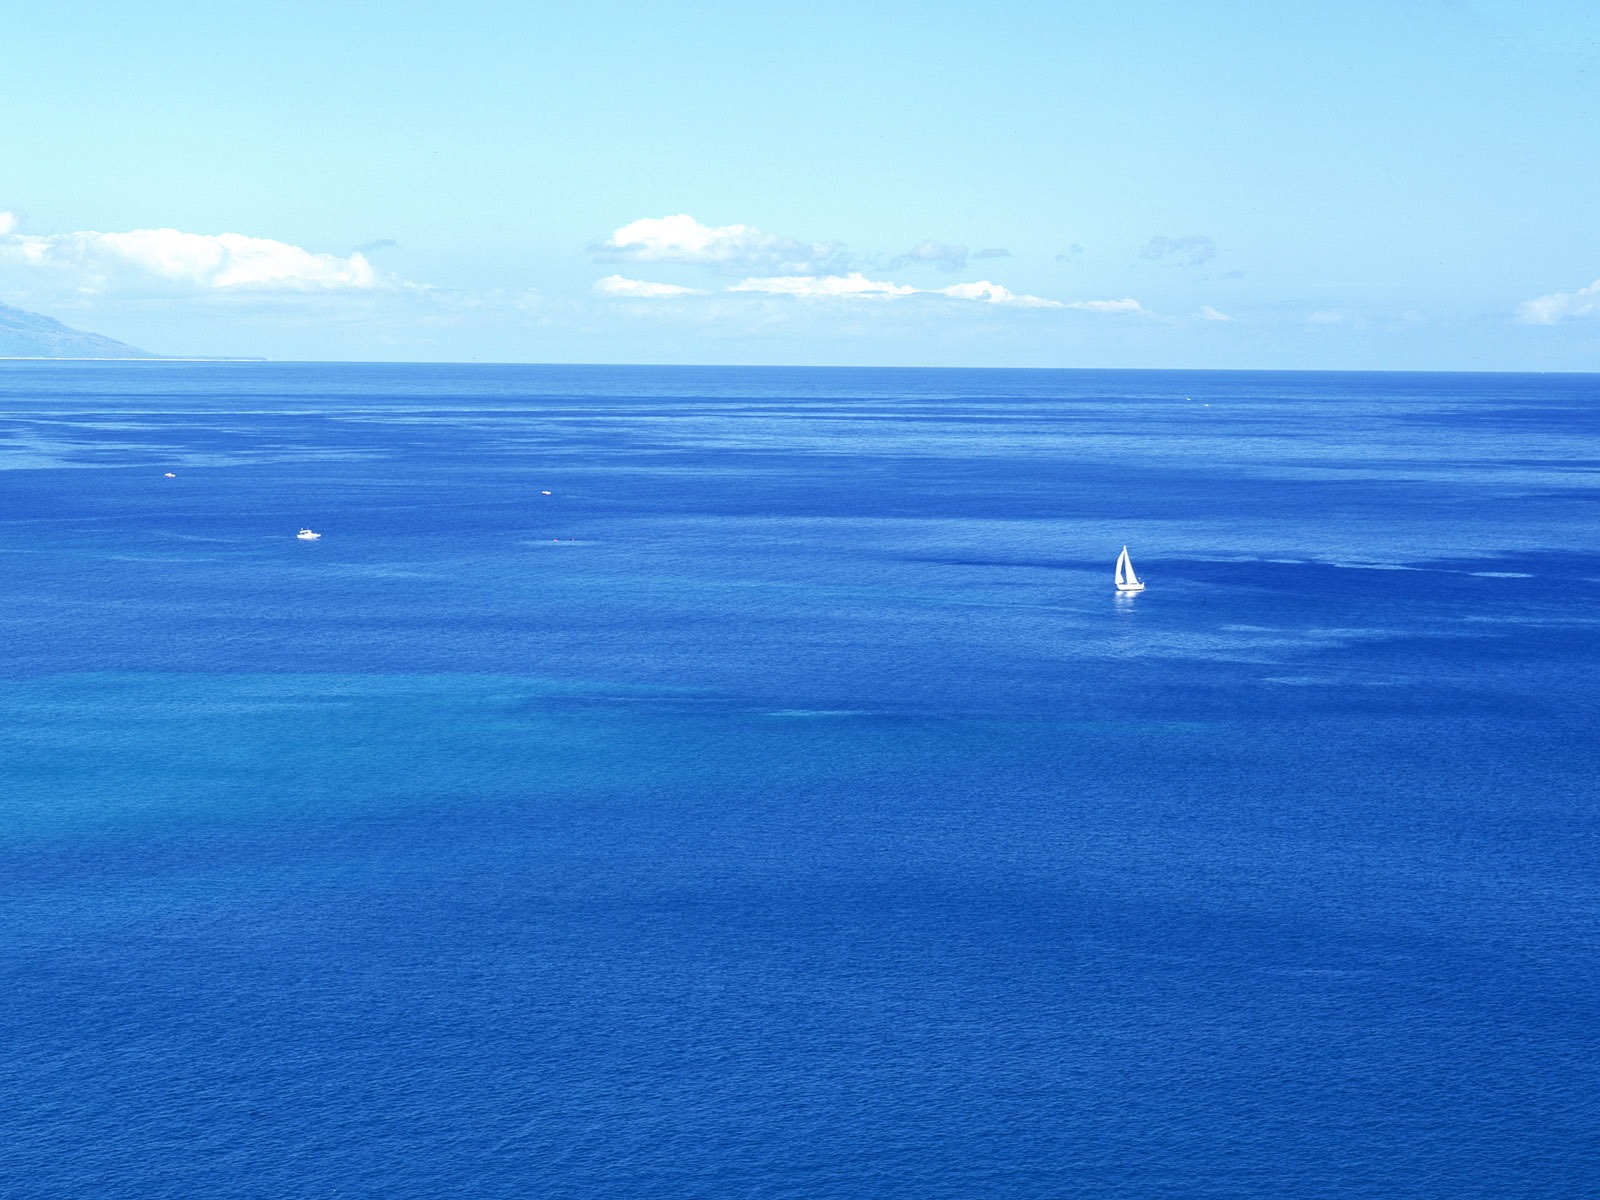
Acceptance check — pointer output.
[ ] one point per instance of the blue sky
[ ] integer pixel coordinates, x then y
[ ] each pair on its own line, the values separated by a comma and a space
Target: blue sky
1404, 185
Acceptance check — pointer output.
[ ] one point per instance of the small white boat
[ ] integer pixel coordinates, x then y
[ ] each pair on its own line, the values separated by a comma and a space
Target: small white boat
1127, 581
308, 535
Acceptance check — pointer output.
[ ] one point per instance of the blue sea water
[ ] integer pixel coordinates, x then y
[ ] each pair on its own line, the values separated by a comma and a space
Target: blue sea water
784, 805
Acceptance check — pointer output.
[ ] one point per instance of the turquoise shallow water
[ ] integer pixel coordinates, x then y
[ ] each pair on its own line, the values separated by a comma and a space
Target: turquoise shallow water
784, 806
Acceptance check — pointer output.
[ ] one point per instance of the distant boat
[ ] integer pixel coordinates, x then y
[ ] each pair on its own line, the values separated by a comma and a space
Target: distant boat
1127, 581
310, 535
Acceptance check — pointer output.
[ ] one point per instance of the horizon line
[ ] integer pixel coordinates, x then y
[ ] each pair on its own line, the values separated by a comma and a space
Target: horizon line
244, 360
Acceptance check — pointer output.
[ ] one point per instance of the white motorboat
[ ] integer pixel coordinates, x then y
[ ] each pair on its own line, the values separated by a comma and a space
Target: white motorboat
308, 535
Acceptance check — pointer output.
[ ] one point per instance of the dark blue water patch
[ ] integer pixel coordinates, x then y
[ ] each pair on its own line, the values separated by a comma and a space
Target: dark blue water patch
720, 983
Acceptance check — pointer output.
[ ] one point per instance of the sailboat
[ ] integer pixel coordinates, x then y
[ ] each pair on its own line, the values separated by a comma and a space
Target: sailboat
1127, 581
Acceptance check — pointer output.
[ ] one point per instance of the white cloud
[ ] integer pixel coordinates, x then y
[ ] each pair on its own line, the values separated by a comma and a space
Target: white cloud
682, 239
1547, 310
92, 263
993, 293
1207, 313
855, 284
1124, 305
1325, 316
617, 285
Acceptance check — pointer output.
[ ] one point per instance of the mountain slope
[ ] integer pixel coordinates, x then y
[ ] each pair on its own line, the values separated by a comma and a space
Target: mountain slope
30, 335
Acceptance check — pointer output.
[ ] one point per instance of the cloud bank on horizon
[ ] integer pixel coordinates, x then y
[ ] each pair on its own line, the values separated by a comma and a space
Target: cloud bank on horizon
813, 270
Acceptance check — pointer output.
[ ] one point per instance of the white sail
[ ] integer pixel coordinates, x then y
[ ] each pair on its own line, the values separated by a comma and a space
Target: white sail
1127, 581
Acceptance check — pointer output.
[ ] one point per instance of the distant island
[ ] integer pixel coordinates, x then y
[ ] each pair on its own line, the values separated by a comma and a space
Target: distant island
32, 335
26, 334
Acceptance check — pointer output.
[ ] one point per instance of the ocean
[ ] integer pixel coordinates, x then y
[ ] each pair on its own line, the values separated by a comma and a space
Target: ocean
735, 782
